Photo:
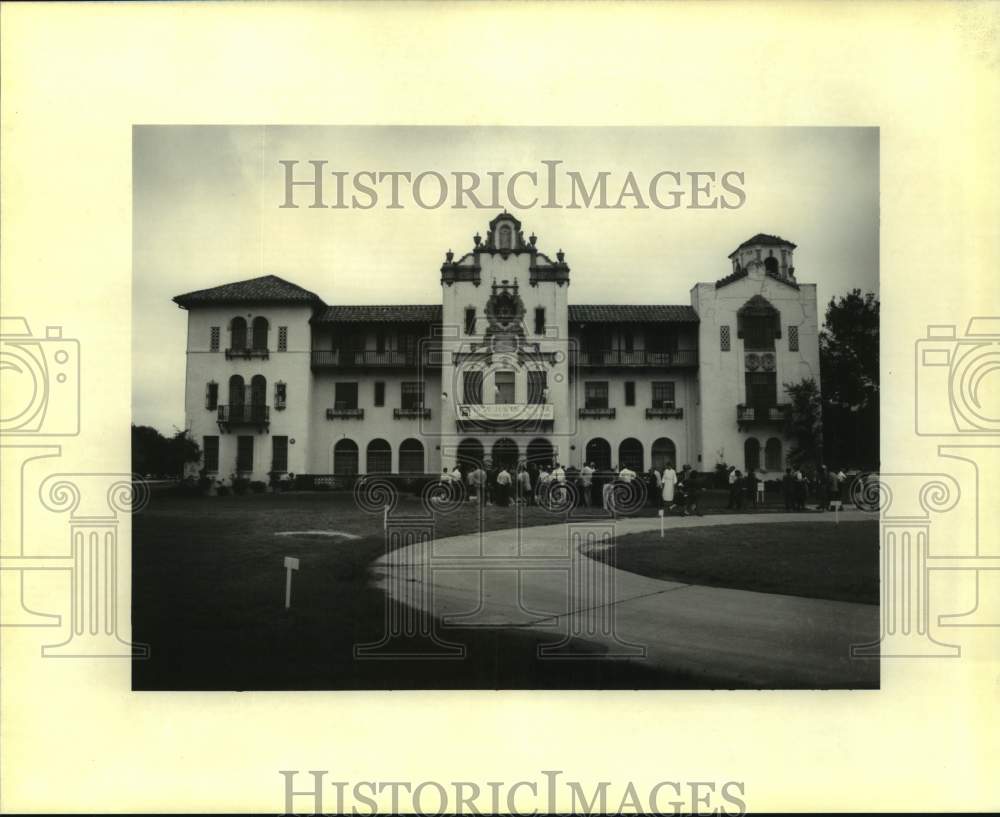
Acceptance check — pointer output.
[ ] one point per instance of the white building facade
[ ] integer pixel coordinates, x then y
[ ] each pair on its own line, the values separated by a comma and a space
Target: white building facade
504, 369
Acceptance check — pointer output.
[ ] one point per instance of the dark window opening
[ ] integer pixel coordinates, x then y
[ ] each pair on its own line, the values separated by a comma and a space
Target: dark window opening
279, 454
210, 447
345, 396
596, 394
629, 393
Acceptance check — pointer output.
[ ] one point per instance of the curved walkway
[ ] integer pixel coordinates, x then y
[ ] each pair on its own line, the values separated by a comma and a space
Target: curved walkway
537, 578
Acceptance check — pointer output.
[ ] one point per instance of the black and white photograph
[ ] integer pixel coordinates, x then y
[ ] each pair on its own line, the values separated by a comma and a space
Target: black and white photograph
505, 408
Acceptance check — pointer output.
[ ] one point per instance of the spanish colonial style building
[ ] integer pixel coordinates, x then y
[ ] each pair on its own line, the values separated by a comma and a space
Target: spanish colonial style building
503, 368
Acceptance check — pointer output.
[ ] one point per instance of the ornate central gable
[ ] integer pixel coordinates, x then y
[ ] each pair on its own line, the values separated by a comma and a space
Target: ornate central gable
504, 237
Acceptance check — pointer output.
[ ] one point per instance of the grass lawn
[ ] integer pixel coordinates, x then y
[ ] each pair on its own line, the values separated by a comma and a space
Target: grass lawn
814, 559
208, 598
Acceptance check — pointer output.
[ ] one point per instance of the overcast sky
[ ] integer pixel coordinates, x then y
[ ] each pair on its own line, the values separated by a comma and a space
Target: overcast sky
206, 212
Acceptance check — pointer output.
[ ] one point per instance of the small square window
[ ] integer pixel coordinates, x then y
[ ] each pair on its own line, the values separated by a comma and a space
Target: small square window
282, 338
629, 393
214, 339
793, 338
379, 393
725, 343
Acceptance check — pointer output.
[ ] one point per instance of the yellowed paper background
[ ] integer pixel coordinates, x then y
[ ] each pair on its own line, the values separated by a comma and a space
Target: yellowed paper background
75, 79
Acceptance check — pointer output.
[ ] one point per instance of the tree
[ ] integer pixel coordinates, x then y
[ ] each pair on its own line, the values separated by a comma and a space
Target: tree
804, 424
154, 454
848, 348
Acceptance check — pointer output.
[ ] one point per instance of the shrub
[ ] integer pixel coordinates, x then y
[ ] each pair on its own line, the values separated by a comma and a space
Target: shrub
241, 485
223, 490
258, 487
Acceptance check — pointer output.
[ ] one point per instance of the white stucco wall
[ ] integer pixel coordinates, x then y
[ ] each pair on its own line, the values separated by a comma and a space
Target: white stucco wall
722, 382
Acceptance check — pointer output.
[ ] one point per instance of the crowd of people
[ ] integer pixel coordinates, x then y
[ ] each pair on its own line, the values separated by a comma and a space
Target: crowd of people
825, 485
590, 487
672, 491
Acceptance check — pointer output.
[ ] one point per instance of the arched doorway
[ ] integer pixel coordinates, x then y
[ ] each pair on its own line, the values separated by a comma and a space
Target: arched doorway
505, 453
751, 454
345, 458
411, 456
470, 453
378, 457
630, 454
541, 452
664, 451
598, 452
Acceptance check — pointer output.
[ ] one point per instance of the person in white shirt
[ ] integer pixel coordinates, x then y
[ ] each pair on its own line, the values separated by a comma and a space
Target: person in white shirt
558, 474
626, 474
669, 478
586, 483
503, 486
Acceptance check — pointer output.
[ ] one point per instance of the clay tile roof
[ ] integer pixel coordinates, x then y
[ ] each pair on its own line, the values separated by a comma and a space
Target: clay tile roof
628, 313
401, 313
763, 240
266, 289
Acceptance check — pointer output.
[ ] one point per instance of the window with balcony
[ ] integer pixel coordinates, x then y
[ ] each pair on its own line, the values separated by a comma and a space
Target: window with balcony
472, 387
537, 387
629, 393
595, 394
238, 334
345, 396
260, 332
210, 452
762, 389
663, 395
412, 395
504, 387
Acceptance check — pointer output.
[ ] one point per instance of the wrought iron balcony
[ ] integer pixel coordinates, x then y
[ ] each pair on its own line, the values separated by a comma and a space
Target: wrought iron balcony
340, 413
365, 358
411, 414
746, 415
243, 414
597, 413
638, 357
247, 354
663, 413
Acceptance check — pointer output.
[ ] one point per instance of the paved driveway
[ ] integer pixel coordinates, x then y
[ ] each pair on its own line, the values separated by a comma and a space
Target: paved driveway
538, 578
